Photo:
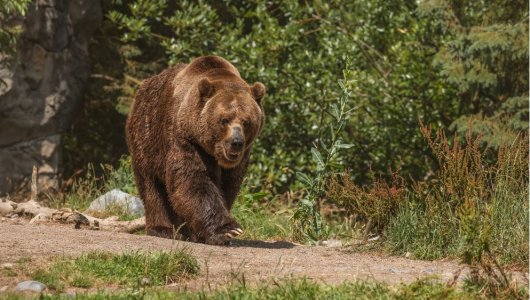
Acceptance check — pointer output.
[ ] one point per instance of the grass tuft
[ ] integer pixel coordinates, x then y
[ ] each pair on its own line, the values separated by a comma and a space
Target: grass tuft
127, 269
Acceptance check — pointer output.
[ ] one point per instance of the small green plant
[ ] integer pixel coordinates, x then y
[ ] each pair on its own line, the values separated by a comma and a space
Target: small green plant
307, 217
474, 208
50, 279
127, 269
121, 178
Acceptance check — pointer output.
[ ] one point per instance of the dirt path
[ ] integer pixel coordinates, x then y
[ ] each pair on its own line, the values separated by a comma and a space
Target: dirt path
258, 261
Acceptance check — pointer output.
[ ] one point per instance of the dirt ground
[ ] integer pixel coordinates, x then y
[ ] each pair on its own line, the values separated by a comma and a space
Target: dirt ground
257, 261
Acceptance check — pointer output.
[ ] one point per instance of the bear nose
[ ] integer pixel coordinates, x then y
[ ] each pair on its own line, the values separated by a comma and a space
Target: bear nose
237, 144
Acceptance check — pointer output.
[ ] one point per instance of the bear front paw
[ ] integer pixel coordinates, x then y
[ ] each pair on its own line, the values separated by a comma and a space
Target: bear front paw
231, 229
232, 233
224, 237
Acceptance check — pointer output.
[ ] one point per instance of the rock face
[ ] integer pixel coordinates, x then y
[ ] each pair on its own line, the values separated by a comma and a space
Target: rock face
41, 93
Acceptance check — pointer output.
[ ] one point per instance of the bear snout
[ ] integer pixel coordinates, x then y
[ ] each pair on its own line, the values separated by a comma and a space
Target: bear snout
236, 142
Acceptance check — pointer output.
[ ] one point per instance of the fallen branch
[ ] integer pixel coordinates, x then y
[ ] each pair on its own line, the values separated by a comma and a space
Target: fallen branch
40, 214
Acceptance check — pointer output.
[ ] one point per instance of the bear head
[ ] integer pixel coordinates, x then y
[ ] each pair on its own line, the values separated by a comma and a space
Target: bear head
231, 117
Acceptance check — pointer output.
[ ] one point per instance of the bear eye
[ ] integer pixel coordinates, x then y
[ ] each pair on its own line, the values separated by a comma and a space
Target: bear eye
245, 123
224, 121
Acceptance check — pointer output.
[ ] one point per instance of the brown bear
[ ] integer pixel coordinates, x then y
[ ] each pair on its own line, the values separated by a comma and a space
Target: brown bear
190, 132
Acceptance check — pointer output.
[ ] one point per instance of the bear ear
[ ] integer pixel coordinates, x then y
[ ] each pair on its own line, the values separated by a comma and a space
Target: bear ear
258, 91
206, 88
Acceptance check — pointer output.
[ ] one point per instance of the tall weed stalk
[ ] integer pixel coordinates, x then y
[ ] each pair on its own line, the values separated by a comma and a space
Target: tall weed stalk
307, 219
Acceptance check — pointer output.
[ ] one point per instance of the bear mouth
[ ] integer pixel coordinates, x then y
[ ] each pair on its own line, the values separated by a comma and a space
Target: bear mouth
231, 156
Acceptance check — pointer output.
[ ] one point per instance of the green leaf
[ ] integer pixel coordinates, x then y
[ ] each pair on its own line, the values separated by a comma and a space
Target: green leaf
317, 157
256, 196
259, 195
335, 111
344, 146
304, 179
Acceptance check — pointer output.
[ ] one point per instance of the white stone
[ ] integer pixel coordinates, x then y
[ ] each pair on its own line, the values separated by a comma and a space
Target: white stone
130, 204
31, 285
6, 208
332, 243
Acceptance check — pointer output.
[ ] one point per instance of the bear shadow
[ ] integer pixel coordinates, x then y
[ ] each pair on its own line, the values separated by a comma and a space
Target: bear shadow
261, 244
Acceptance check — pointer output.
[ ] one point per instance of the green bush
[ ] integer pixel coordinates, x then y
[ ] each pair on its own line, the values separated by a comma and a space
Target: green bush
484, 57
299, 50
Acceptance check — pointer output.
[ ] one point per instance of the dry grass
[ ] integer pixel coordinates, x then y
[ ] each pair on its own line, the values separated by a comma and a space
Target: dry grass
373, 205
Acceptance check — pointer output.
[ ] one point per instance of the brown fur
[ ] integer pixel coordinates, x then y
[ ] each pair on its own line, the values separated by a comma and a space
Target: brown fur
189, 132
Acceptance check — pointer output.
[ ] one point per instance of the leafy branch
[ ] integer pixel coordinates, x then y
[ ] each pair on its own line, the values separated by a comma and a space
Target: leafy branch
307, 217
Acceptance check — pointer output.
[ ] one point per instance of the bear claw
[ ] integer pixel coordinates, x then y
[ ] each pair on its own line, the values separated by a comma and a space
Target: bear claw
234, 232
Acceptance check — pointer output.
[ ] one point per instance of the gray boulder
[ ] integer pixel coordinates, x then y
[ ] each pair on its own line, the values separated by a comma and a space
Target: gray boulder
130, 204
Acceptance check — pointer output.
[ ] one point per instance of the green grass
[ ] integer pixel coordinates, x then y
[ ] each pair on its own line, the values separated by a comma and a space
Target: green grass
425, 237
474, 206
273, 221
510, 220
263, 222
128, 269
441, 235
294, 289
303, 289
